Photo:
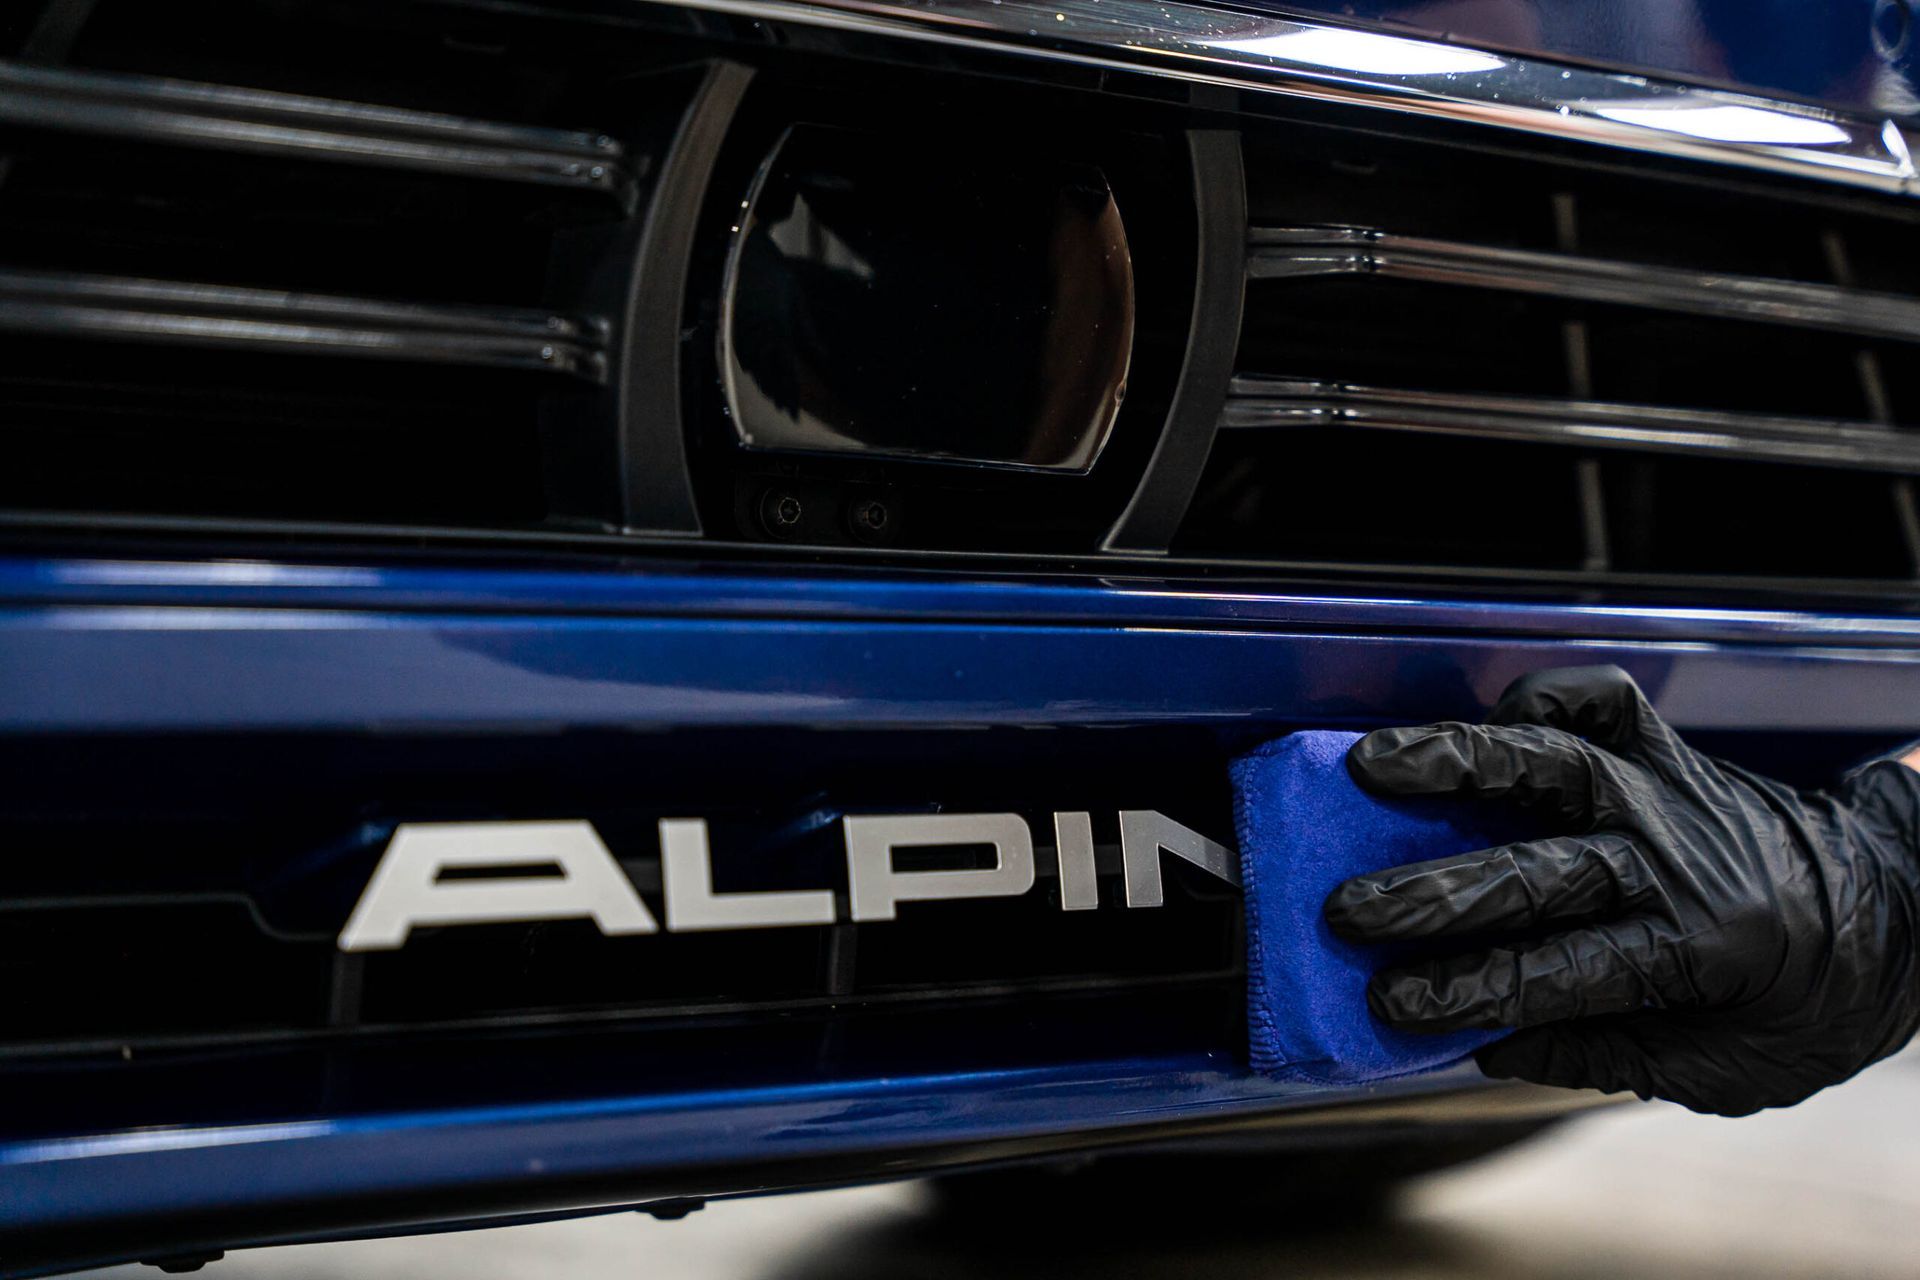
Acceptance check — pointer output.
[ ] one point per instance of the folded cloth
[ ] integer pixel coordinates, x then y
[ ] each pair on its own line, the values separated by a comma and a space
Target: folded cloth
1304, 827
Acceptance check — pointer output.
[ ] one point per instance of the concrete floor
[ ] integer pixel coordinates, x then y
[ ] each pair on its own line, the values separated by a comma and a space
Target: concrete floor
1830, 1188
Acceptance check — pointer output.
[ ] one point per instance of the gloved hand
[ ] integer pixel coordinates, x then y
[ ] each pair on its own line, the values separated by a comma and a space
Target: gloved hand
1701, 934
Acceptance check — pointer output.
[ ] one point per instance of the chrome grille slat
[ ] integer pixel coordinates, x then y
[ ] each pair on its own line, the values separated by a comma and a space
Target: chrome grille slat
222, 117
1303, 252
1264, 403
114, 307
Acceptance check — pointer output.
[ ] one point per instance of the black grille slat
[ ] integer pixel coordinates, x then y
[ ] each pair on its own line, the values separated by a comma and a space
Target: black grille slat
67, 305
1578, 352
262, 122
1280, 253
1873, 387
1257, 402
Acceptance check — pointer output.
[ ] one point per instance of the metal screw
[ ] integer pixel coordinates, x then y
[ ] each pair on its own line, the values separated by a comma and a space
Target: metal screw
870, 515
781, 512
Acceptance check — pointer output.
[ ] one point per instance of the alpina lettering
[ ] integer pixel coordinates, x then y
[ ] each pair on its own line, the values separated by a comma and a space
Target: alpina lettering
528, 871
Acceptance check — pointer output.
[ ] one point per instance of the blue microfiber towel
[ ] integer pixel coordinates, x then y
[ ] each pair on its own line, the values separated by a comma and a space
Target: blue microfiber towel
1305, 826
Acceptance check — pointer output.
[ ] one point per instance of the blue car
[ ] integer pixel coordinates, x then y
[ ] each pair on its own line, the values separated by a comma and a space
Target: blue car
608, 603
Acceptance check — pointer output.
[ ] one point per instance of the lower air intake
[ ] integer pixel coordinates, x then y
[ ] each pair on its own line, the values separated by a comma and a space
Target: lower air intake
183, 931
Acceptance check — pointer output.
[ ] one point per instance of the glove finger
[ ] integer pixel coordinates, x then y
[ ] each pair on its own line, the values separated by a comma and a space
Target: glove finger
1602, 704
1610, 968
1539, 768
1511, 889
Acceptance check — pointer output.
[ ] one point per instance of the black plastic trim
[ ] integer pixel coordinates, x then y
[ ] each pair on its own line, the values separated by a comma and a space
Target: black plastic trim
53, 36
119, 308
1258, 402
1295, 253
656, 482
1160, 502
235, 535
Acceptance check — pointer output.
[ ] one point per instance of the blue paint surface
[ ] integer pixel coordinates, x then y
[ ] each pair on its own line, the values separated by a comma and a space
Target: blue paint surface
165, 1171
496, 654
95, 647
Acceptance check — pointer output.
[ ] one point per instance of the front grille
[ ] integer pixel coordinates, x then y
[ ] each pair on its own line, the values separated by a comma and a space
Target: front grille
190, 921
1511, 367
439, 284
244, 282
341, 269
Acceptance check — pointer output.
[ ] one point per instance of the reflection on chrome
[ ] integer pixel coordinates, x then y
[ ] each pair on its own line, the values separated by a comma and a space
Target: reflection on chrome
1278, 253
1366, 51
1259, 54
1733, 124
1259, 402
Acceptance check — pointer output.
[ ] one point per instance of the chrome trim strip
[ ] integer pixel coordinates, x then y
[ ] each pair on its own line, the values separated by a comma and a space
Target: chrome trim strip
1292, 252
114, 307
1207, 45
226, 118
1258, 402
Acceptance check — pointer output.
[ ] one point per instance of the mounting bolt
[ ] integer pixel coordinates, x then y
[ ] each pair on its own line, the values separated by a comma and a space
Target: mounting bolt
869, 518
781, 513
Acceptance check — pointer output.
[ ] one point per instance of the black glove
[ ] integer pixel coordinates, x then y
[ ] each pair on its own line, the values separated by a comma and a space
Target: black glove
1702, 934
